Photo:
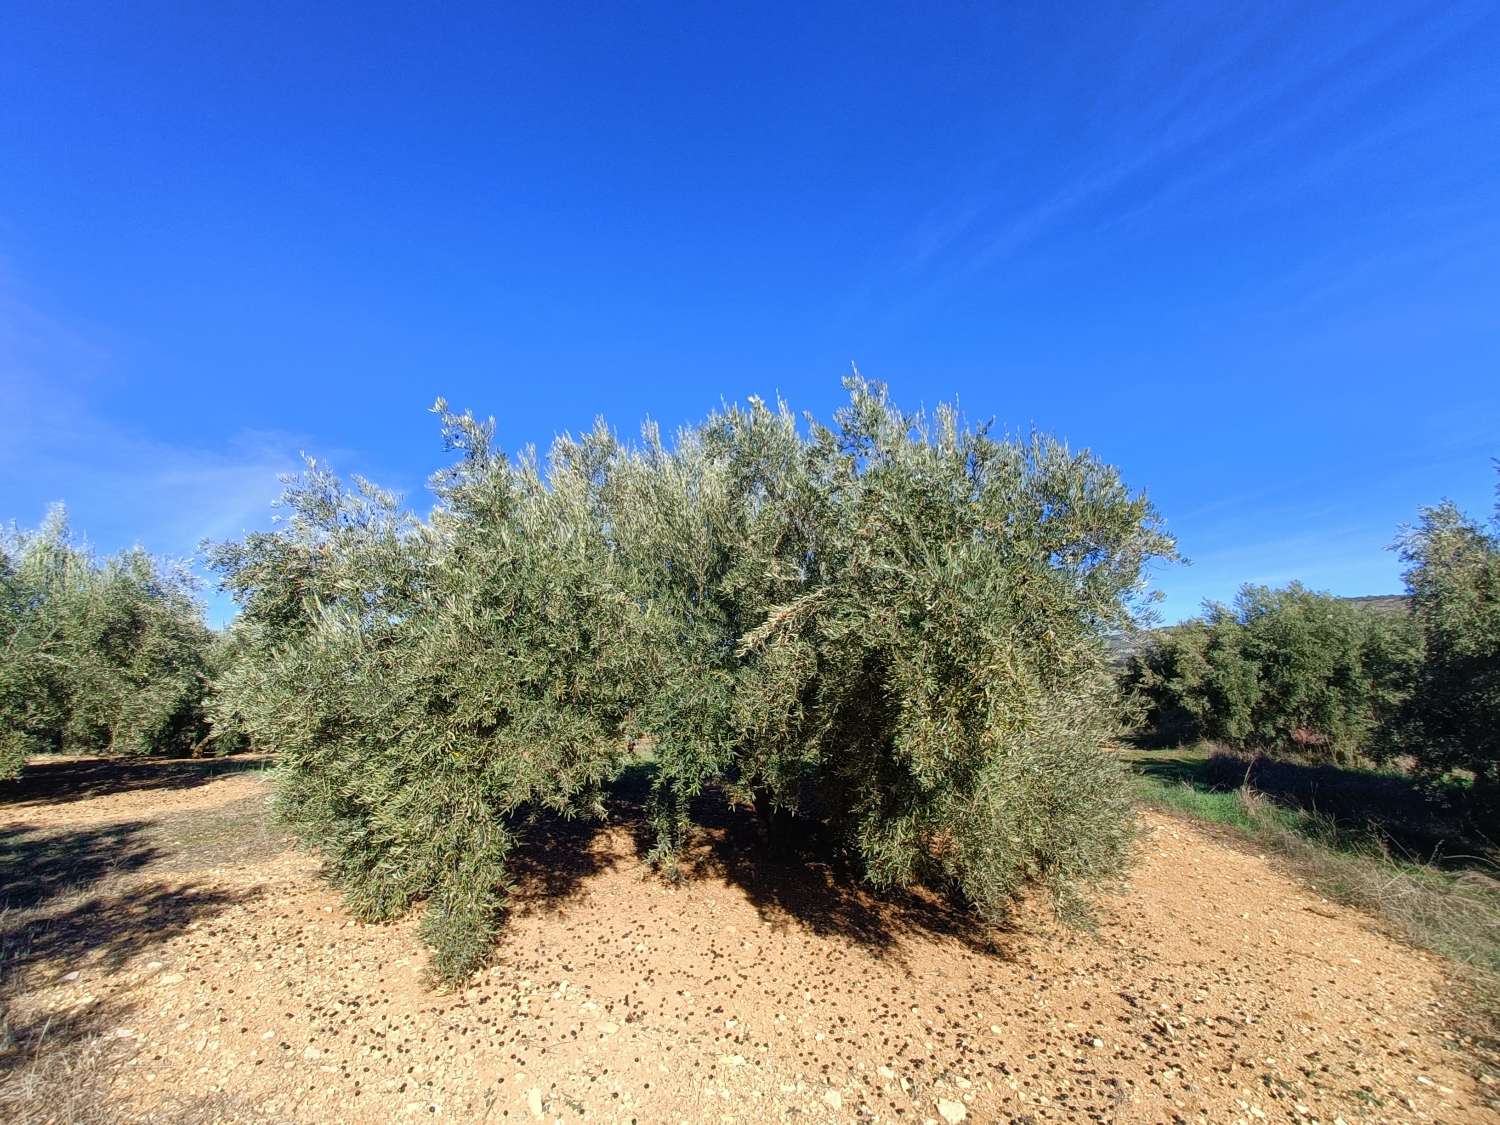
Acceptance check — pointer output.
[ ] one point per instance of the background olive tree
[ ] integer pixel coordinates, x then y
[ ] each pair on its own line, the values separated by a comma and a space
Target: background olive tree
1283, 671
96, 656
1451, 720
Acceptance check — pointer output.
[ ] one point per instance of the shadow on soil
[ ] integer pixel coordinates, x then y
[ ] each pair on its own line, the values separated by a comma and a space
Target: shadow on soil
44, 864
63, 894
68, 910
41, 864
77, 779
89, 898
801, 882
558, 854
1415, 823
107, 927
68, 1067
555, 858
57, 1066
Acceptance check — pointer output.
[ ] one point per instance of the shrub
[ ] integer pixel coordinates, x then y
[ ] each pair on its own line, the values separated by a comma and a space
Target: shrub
894, 624
1288, 670
99, 657
1451, 720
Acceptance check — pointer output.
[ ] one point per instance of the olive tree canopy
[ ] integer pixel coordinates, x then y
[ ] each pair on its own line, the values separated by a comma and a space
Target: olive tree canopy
893, 624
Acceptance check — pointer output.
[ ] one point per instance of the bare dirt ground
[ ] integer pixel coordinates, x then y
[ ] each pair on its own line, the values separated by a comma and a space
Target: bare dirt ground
171, 958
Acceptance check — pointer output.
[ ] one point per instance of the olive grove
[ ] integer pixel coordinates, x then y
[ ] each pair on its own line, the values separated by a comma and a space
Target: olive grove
96, 656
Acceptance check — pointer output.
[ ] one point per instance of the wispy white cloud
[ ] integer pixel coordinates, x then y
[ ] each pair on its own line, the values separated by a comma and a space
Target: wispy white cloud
1257, 87
122, 485
123, 488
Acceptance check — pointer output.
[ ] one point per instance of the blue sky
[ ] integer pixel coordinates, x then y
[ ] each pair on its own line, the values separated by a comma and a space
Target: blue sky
1248, 252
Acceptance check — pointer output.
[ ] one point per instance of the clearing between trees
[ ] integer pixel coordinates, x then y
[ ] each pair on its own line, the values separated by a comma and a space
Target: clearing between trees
169, 956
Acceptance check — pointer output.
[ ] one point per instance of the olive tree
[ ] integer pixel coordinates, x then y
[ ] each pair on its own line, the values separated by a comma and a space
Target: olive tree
958, 695
894, 625
1452, 718
1283, 670
96, 656
428, 685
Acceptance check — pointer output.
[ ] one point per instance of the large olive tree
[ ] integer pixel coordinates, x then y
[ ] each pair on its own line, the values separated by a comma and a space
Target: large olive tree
894, 625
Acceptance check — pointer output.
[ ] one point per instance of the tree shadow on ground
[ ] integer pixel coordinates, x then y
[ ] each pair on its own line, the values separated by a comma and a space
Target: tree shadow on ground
110, 925
555, 857
70, 892
802, 880
1173, 770
58, 1066
558, 854
70, 1067
63, 1064
40, 864
49, 782
70, 910
44, 864
89, 899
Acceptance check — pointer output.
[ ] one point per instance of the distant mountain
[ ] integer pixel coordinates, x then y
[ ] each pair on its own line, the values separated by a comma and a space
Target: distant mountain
1382, 603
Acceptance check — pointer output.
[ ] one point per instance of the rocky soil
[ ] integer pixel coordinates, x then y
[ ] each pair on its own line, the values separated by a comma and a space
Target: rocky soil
172, 958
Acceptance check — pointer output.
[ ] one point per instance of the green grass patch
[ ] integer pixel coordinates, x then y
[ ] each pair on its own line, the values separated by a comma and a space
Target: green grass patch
1217, 807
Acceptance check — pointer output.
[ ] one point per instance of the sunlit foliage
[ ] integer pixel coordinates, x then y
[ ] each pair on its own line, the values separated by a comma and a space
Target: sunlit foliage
1285, 671
1452, 720
96, 656
893, 625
